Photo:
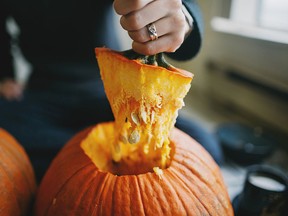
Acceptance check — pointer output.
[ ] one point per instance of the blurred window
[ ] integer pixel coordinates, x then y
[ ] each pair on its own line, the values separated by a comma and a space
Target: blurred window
271, 14
258, 19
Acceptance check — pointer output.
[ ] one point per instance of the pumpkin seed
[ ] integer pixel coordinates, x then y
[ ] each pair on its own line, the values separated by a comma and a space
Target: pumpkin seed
143, 115
134, 137
135, 118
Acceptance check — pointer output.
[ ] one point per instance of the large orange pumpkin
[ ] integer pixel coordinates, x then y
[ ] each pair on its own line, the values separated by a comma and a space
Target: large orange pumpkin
17, 179
139, 164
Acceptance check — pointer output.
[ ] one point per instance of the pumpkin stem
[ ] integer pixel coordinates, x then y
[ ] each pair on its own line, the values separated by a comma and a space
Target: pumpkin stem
157, 59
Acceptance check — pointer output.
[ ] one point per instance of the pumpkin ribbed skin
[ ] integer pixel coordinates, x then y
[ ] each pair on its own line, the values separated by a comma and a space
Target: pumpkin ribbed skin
17, 179
191, 185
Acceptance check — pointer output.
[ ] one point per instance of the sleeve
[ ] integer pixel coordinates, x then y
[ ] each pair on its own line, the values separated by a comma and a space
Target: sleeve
192, 43
6, 62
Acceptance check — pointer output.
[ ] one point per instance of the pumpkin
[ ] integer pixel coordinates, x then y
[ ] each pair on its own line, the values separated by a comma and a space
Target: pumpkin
138, 164
17, 178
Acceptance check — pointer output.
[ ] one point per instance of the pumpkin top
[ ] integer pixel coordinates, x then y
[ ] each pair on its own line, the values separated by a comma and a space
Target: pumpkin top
145, 100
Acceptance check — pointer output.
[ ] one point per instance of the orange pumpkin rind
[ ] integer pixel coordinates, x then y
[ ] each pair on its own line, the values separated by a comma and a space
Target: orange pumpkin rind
17, 178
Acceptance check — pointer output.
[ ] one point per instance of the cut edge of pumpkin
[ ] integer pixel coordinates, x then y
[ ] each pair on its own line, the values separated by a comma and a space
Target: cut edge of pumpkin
98, 145
119, 55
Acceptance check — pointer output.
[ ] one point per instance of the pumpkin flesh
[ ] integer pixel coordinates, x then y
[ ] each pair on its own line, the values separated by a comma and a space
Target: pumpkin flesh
145, 100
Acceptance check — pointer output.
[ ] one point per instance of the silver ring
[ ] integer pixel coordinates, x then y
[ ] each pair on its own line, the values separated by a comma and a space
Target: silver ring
152, 31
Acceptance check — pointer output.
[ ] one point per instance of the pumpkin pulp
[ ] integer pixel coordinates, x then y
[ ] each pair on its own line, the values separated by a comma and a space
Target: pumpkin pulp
145, 94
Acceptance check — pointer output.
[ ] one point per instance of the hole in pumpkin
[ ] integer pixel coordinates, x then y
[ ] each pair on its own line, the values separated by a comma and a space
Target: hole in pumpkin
98, 146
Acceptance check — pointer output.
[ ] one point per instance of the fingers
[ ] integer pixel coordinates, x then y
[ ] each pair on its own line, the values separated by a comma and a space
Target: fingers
141, 18
170, 22
164, 27
124, 7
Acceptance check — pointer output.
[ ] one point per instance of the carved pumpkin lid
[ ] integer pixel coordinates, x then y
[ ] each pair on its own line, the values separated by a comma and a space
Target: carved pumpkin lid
145, 100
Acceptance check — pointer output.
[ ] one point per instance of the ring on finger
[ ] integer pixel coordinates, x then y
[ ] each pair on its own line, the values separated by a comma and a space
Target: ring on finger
152, 31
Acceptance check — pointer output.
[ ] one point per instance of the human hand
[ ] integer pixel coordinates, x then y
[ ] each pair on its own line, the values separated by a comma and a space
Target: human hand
167, 16
11, 90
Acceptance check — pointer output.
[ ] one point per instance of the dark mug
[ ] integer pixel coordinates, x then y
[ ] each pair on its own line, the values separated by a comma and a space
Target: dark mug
265, 193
